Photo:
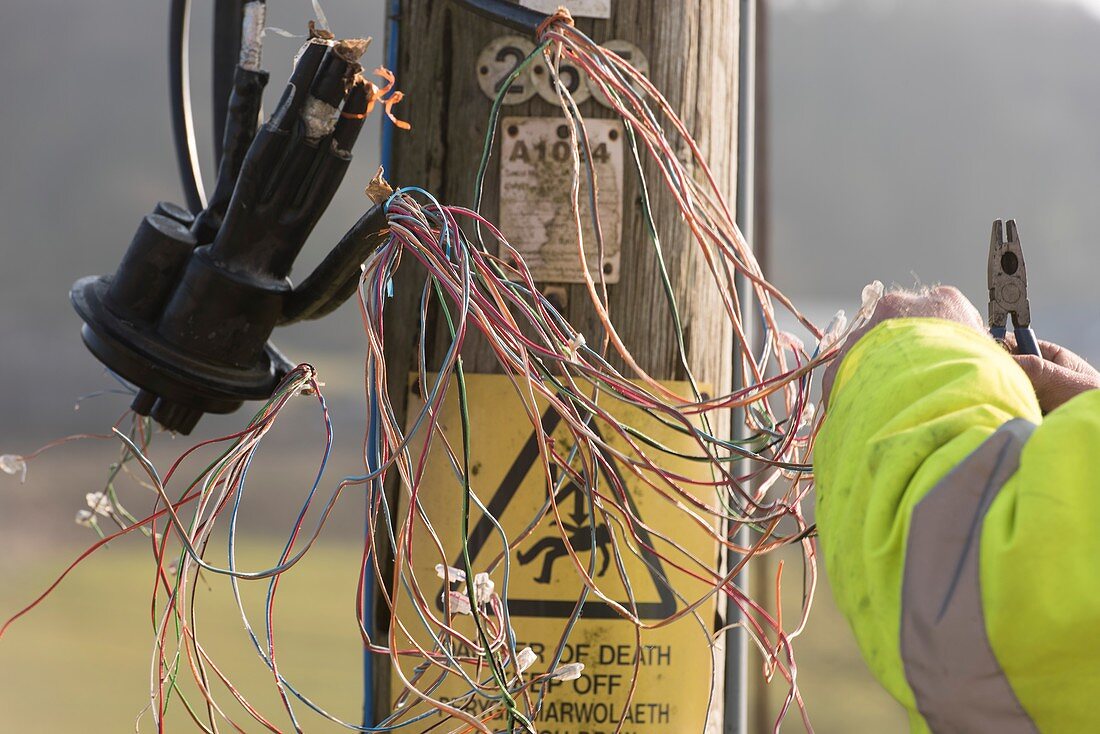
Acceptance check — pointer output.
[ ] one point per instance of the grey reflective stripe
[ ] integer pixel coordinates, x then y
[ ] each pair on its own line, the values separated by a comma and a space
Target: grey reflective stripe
958, 683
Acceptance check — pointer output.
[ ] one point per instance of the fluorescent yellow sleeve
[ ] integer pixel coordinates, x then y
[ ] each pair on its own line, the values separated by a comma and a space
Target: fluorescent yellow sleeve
1040, 570
911, 400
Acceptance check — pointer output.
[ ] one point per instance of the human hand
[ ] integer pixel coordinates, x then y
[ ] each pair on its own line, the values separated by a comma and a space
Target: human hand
1057, 375
941, 302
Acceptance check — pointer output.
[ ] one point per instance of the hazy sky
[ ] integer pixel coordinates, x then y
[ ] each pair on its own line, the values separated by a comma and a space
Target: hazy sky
1091, 6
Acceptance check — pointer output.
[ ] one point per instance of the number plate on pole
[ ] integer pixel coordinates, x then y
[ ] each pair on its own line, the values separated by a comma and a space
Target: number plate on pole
498, 61
536, 209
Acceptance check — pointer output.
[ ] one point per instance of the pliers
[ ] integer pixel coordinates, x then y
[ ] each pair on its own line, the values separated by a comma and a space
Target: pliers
1008, 288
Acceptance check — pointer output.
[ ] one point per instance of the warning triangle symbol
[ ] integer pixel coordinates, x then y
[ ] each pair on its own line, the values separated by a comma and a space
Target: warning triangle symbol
548, 555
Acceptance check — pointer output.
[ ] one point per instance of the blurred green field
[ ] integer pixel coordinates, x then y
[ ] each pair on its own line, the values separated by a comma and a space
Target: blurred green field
80, 662
840, 694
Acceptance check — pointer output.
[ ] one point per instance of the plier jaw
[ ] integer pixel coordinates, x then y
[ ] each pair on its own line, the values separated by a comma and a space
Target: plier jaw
1007, 277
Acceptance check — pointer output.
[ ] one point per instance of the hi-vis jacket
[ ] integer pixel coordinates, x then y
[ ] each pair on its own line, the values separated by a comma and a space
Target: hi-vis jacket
961, 531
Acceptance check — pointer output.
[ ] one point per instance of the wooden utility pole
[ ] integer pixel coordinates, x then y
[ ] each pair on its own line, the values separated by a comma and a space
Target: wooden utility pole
693, 54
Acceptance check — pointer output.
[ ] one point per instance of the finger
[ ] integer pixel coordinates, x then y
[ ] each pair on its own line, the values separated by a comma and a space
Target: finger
1053, 383
1055, 353
1062, 356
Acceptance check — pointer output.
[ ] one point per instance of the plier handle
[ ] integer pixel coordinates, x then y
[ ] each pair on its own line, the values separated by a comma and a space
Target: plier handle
1008, 288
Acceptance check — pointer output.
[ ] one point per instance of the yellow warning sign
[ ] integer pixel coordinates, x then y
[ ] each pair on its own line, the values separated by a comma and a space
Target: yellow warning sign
641, 560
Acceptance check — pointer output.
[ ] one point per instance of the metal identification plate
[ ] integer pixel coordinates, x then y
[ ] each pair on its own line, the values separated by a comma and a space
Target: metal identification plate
578, 8
497, 61
536, 214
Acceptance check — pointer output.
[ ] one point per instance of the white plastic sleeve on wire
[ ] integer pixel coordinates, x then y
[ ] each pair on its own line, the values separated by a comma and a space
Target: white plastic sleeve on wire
252, 34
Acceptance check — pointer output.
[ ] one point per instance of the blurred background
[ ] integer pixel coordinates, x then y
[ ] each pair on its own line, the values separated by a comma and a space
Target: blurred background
896, 132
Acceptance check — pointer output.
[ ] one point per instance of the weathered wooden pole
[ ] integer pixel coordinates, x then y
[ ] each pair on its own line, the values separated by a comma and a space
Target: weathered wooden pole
693, 53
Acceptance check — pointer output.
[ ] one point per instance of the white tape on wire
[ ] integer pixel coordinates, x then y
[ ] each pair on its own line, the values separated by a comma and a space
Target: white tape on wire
252, 34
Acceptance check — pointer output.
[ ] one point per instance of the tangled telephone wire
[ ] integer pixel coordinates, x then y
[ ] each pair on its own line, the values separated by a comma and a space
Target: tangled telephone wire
747, 503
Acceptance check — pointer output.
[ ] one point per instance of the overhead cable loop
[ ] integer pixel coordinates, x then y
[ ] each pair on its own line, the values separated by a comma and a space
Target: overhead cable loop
179, 85
507, 14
